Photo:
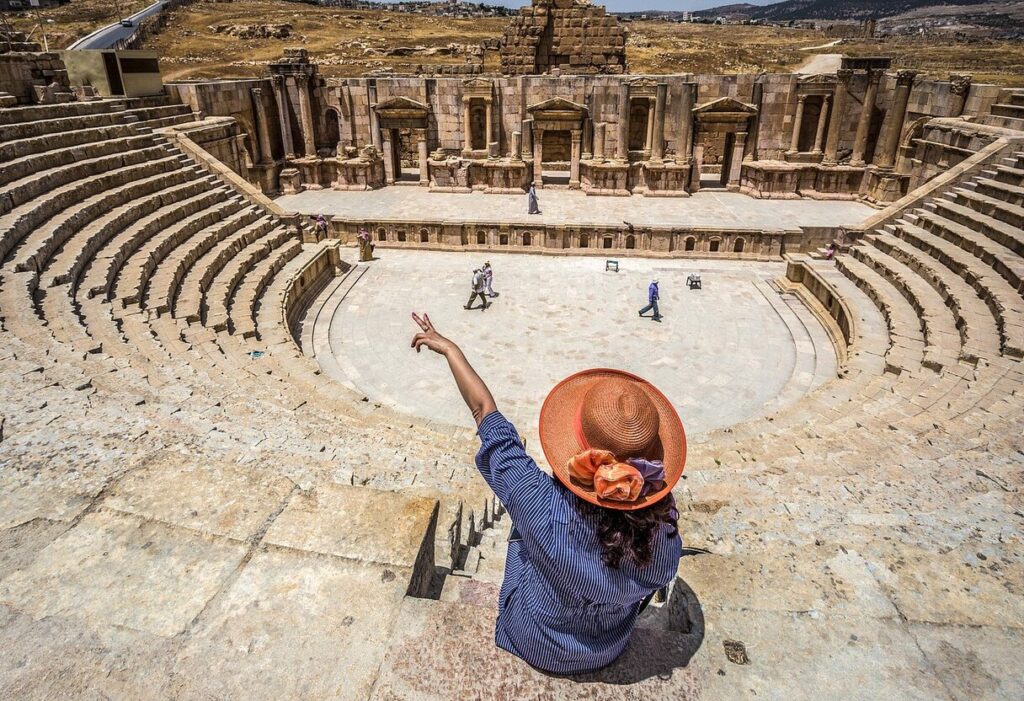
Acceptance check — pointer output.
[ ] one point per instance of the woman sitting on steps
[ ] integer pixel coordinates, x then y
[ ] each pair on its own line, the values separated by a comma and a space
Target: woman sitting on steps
591, 547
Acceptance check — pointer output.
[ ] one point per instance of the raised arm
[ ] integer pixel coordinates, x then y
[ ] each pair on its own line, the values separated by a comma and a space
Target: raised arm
474, 392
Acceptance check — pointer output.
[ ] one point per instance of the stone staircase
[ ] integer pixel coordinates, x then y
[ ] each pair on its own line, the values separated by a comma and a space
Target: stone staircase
187, 505
1008, 112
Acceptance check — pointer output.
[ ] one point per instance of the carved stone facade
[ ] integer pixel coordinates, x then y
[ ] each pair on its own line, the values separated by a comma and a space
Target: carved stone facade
570, 36
777, 136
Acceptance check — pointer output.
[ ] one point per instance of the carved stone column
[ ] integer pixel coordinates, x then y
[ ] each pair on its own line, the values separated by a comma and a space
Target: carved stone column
819, 136
305, 115
574, 164
684, 141
599, 128
389, 161
960, 86
371, 101
281, 95
490, 123
516, 153
736, 163
424, 159
835, 126
890, 143
262, 128
649, 144
860, 143
658, 151
798, 123
527, 129
467, 132
622, 144
538, 157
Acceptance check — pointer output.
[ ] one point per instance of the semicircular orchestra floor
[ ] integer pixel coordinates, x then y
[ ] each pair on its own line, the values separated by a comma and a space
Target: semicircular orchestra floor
730, 351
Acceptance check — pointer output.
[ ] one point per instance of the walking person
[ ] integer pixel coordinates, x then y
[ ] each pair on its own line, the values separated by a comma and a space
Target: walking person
478, 290
652, 301
489, 280
532, 199
591, 545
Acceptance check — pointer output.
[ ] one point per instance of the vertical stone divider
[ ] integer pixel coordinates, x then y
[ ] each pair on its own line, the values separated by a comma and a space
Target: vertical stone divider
860, 142
819, 135
835, 127
622, 142
798, 123
886, 158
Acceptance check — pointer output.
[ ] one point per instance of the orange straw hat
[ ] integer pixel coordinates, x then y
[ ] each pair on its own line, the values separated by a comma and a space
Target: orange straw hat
613, 439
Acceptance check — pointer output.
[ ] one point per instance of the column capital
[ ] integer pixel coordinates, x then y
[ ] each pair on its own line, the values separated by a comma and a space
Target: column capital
905, 77
844, 75
960, 83
301, 78
278, 80
802, 98
256, 92
875, 75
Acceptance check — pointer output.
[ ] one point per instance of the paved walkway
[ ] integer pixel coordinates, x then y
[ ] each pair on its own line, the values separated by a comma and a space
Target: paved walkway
721, 355
704, 209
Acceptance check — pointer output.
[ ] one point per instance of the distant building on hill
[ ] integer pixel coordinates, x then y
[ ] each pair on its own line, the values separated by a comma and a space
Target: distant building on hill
17, 5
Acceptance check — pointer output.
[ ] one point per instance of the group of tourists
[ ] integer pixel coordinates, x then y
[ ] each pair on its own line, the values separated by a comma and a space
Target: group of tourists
483, 287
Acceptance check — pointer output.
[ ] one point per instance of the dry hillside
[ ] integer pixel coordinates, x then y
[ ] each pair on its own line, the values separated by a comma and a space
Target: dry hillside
68, 22
219, 39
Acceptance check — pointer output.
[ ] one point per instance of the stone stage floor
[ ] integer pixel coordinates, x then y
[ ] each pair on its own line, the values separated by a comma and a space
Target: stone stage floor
712, 209
728, 352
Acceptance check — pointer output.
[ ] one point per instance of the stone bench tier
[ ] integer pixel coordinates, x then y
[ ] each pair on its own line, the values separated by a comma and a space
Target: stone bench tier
23, 149
1003, 260
242, 310
42, 127
1003, 301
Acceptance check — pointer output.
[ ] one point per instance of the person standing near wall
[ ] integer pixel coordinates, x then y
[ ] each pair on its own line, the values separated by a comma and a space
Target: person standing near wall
532, 199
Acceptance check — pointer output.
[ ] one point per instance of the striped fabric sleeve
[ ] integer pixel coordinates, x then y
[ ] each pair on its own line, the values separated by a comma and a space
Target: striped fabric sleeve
523, 488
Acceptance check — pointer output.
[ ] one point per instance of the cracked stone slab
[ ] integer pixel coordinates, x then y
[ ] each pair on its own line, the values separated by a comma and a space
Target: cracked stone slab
216, 497
20, 545
25, 496
293, 625
116, 569
367, 525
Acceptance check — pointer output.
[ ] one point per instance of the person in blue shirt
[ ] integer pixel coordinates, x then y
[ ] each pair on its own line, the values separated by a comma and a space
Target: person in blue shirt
591, 545
652, 301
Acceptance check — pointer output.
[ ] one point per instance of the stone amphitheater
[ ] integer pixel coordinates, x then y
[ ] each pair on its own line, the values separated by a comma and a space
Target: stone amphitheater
194, 506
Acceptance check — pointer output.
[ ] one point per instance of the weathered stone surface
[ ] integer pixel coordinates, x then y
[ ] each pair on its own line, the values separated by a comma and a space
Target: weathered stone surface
122, 570
386, 528
293, 625
214, 497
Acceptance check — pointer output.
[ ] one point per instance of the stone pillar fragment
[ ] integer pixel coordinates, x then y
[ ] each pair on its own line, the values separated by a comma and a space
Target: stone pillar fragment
599, 136
960, 86
649, 143
281, 95
305, 115
516, 152
527, 151
622, 143
835, 126
860, 143
736, 163
262, 127
574, 164
658, 150
538, 158
424, 161
684, 146
467, 133
798, 123
890, 143
490, 124
819, 136
389, 161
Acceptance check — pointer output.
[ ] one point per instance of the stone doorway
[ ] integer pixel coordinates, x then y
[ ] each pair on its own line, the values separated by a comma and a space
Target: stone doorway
556, 157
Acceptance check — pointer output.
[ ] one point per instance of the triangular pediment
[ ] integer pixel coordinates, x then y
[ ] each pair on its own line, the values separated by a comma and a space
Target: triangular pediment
557, 104
644, 82
725, 104
477, 83
400, 104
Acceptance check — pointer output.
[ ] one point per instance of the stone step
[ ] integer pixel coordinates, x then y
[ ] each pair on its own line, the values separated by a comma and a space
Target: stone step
990, 206
1002, 259
11, 151
19, 222
941, 338
35, 113
1003, 301
997, 189
170, 190
217, 297
42, 127
244, 305
1009, 174
978, 331
91, 215
907, 343
199, 214
1008, 110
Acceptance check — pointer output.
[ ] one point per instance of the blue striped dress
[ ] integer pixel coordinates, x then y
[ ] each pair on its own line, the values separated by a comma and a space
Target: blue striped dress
561, 609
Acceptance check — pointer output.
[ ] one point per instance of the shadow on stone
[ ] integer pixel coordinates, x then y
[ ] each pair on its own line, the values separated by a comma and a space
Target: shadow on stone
666, 638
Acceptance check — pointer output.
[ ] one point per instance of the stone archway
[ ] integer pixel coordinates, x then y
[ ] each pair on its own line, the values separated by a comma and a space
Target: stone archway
403, 119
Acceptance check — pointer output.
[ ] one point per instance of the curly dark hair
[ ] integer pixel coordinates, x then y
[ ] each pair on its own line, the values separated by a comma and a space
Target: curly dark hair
629, 535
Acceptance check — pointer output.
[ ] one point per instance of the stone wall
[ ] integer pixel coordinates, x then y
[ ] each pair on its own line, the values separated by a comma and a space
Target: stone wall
564, 35
33, 78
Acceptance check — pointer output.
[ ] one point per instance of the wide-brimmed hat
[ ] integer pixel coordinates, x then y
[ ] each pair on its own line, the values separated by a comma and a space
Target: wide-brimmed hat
619, 425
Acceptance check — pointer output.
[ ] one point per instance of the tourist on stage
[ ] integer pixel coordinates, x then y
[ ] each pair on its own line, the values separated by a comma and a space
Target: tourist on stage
489, 280
652, 301
321, 227
591, 546
478, 290
532, 198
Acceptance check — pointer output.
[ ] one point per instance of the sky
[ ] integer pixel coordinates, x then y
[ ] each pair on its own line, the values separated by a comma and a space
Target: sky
636, 5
